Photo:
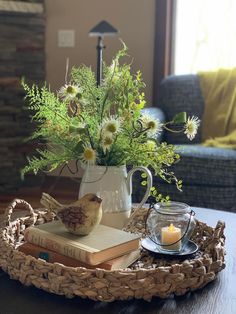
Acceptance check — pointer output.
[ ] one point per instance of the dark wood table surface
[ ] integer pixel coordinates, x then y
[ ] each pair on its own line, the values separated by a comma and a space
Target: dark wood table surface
218, 297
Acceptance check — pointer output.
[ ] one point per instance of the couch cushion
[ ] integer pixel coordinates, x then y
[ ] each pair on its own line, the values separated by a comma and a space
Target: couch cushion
200, 165
222, 198
218, 197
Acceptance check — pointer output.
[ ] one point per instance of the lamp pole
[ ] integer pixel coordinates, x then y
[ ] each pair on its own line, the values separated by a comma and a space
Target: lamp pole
101, 30
100, 47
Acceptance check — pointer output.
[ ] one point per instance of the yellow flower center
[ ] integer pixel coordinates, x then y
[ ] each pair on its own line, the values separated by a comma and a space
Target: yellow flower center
89, 154
108, 141
70, 90
111, 127
151, 125
190, 128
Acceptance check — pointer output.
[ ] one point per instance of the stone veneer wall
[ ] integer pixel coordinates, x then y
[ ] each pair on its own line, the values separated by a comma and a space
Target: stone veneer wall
22, 27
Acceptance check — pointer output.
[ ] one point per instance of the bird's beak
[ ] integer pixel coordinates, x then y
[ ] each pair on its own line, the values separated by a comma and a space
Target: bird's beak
98, 199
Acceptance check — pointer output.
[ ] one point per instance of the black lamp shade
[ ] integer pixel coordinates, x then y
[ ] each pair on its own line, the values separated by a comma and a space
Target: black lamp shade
103, 29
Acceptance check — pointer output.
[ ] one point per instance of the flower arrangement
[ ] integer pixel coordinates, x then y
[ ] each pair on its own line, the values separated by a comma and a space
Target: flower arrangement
102, 125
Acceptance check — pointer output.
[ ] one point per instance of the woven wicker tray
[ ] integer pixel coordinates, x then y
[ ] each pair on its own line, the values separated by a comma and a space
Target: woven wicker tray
146, 278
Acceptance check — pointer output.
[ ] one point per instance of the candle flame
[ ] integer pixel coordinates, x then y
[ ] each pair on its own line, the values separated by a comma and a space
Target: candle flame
171, 227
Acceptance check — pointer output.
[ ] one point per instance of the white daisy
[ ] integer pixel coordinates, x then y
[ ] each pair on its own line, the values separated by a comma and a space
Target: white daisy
107, 141
111, 125
191, 127
89, 155
153, 126
70, 92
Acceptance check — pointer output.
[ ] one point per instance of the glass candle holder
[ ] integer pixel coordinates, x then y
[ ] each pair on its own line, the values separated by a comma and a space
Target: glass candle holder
170, 225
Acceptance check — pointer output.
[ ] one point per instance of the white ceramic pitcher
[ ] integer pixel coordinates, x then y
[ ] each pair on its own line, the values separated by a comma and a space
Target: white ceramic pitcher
114, 186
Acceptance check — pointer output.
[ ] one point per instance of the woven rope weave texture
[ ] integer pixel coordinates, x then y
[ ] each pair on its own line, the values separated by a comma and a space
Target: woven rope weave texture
146, 278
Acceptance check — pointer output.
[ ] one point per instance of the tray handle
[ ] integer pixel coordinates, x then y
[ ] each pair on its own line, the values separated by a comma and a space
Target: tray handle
10, 208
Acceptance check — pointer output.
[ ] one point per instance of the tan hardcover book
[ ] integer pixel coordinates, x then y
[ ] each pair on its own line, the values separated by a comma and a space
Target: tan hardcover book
102, 244
54, 257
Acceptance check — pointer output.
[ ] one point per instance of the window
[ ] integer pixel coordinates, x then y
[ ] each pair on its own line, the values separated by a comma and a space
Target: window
205, 35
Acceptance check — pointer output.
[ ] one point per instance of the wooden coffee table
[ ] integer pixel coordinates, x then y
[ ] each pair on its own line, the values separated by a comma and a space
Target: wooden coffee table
218, 297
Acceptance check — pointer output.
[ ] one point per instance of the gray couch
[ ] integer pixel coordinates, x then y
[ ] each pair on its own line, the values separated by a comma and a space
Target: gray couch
208, 173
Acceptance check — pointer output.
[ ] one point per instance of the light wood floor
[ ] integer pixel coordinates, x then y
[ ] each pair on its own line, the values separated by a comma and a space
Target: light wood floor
65, 191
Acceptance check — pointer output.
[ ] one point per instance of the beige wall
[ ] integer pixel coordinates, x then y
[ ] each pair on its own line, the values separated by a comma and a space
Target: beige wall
133, 18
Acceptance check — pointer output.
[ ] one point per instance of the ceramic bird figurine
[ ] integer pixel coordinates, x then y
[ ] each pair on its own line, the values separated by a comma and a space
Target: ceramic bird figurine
79, 217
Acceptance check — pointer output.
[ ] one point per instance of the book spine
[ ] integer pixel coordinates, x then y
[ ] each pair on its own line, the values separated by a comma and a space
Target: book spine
51, 242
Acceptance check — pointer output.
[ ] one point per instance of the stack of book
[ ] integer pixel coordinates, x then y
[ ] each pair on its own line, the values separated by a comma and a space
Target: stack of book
105, 247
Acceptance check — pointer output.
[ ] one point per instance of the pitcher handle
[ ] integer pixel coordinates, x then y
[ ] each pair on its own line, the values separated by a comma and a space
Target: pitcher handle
149, 182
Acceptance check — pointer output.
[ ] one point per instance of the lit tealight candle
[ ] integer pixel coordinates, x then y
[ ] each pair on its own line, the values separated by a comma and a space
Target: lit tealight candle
170, 235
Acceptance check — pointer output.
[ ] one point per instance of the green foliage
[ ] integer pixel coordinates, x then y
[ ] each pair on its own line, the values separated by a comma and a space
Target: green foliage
102, 125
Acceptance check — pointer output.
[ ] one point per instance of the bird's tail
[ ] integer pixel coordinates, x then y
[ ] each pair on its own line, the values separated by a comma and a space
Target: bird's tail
49, 202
